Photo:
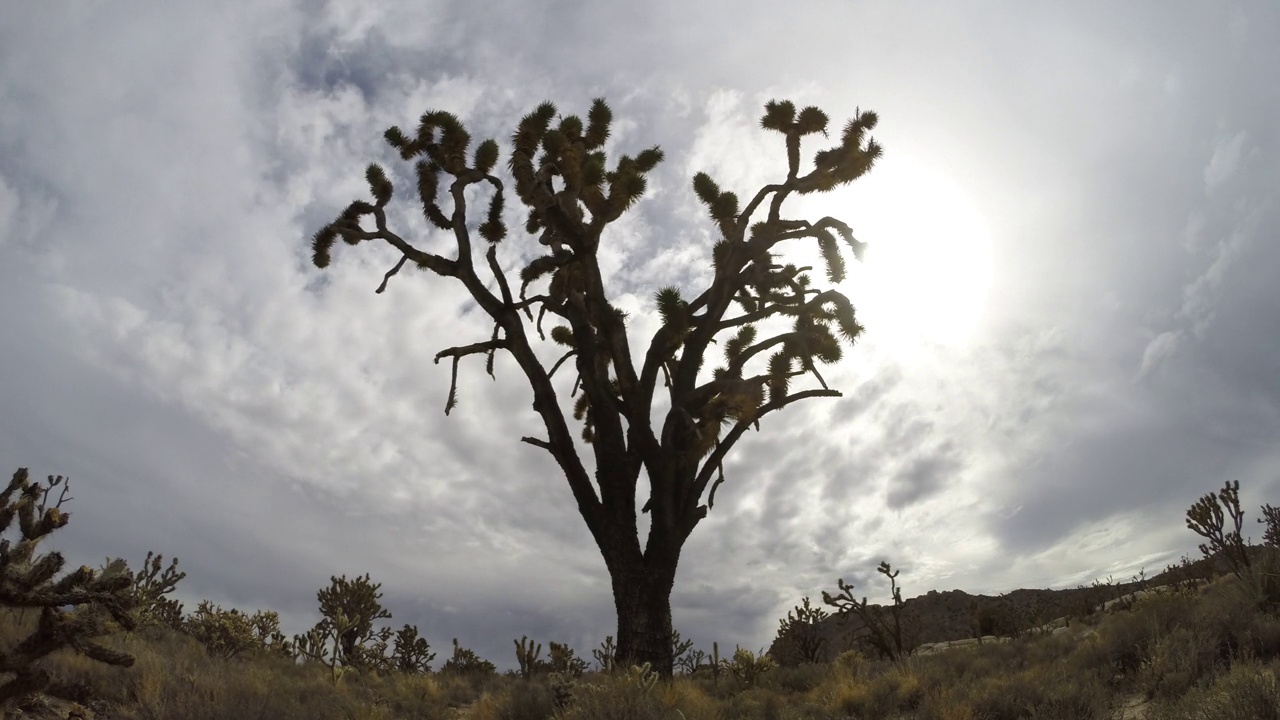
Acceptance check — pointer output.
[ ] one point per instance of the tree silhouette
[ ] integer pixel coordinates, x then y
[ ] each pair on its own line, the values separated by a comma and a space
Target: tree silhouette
563, 178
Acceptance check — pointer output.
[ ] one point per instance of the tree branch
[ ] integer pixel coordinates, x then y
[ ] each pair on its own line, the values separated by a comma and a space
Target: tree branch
722, 449
457, 353
391, 272
538, 443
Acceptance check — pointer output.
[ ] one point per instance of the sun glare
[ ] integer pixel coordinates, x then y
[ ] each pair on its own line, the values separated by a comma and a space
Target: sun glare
927, 268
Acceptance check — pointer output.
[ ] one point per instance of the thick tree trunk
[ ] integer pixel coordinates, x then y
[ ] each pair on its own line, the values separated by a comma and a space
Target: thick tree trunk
642, 597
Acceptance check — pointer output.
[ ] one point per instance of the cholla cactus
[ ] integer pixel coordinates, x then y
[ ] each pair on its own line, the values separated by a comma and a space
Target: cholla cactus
322, 644
643, 677
357, 602
606, 655
151, 585
748, 666
563, 685
28, 580
467, 662
564, 660
224, 633
412, 654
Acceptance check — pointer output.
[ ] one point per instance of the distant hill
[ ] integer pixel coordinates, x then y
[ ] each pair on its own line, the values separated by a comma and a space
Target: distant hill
956, 615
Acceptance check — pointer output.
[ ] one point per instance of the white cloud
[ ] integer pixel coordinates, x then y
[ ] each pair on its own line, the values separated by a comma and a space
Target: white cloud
8, 211
1158, 351
1228, 151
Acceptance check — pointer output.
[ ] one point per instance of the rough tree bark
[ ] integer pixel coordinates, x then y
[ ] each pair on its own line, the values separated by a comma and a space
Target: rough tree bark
562, 178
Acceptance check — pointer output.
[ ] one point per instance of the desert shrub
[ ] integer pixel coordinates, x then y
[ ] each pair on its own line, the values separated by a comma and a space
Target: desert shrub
1177, 661
1124, 641
1261, 582
521, 700
796, 679
860, 698
1228, 617
1032, 694
1248, 691
624, 696
852, 662
689, 699
754, 704
1262, 638
460, 689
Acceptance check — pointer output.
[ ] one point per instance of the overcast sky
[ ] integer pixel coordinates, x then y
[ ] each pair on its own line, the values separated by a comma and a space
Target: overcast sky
1070, 295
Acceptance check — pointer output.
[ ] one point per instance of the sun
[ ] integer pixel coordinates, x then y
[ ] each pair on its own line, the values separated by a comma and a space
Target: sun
927, 269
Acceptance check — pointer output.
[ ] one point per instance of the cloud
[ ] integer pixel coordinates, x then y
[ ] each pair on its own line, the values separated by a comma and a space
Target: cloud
217, 398
1228, 152
1160, 349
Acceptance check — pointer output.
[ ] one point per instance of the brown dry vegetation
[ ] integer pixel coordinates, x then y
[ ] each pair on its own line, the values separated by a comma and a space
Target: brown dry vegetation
1210, 653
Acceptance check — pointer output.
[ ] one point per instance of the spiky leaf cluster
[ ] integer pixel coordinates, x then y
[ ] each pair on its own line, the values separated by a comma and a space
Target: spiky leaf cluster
562, 175
845, 162
74, 609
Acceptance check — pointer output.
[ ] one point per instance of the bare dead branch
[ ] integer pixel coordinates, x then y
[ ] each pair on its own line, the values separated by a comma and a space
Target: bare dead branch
711, 496
391, 272
457, 353
50, 483
492, 257
560, 362
538, 443
717, 456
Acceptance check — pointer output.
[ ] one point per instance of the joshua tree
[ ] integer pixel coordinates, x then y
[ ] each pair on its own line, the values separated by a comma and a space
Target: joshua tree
771, 321
885, 635
1206, 519
527, 653
412, 654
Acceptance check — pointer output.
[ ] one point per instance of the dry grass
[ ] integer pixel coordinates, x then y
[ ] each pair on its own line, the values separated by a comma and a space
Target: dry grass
1208, 655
